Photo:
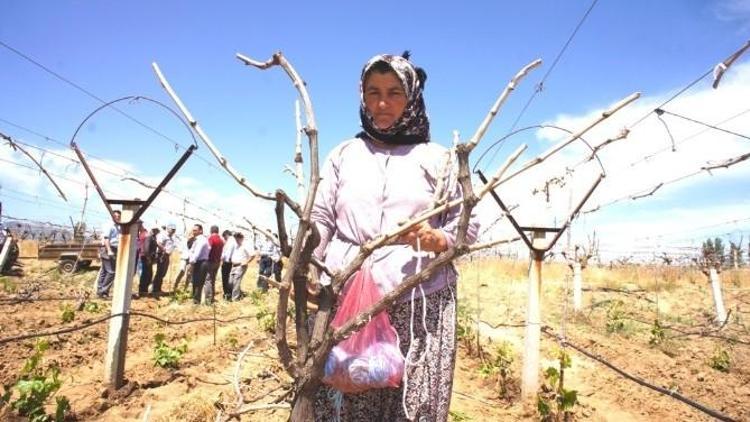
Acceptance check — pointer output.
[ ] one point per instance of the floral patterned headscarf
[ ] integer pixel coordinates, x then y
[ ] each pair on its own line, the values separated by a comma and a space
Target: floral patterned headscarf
413, 127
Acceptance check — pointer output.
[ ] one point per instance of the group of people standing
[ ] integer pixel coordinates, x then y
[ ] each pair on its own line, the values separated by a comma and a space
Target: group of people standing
201, 258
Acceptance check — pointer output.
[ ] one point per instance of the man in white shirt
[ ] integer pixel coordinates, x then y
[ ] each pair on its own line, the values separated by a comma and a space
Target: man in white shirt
199, 260
241, 256
165, 245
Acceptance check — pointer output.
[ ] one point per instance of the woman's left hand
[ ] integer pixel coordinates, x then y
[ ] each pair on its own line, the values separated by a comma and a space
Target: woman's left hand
430, 240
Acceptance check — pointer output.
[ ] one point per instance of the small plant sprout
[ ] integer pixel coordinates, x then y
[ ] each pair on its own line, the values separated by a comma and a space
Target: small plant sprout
256, 297
555, 402
166, 356
658, 334
92, 307
720, 360
68, 314
35, 386
232, 340
615, 322
181, 296
266, 320
498, 364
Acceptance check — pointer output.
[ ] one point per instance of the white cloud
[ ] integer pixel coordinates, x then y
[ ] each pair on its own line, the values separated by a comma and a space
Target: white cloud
628, 173
733, 10
214, 206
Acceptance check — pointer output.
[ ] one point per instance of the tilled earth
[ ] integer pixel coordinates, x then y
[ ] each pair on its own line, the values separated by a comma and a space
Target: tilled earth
614, 325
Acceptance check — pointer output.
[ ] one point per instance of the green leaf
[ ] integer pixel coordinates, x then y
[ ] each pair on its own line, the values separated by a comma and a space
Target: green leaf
569, 399
565, 361
552, 375
42, 346
542, 406
63, 405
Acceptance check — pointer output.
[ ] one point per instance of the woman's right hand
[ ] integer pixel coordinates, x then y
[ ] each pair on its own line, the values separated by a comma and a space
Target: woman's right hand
430, 239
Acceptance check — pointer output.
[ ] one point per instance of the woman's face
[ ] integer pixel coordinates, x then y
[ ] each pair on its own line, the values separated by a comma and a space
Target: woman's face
385, 98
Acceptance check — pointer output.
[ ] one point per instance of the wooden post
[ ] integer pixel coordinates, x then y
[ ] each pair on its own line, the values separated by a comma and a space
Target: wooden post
114, 364
721, 313
532, 340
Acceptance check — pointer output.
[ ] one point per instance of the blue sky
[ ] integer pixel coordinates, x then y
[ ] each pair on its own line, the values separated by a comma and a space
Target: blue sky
469, 50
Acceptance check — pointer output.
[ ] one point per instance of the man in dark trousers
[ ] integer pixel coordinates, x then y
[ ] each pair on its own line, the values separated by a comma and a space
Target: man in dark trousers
165, 245
148, 257
226, 263
216, 244
108, 255
199, 260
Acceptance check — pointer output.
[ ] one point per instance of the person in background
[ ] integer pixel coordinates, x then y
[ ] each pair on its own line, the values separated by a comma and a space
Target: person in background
165, 245
216, 244
240, 258
186, 269
108, 256
276, 259
148, 256
199, 260
142, 235
2, 228
226, 263
265, 264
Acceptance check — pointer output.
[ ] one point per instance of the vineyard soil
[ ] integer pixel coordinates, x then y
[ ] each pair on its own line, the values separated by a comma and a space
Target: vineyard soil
617, 323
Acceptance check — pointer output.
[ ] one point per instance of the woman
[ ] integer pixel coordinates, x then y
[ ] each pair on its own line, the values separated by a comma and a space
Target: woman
383, 176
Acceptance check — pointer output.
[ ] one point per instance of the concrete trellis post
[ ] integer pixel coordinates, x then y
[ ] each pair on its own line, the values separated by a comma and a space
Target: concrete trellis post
532, 332
538, 246
117, 343
712, 271
577, 263
5, 251
721, 313
131, 211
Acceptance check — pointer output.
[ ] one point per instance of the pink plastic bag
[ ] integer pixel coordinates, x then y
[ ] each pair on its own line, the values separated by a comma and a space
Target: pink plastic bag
370, 358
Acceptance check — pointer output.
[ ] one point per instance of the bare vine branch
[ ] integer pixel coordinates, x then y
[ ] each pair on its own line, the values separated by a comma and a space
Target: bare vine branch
500, 101
206, 140
17, 147
301, 252
727, 163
